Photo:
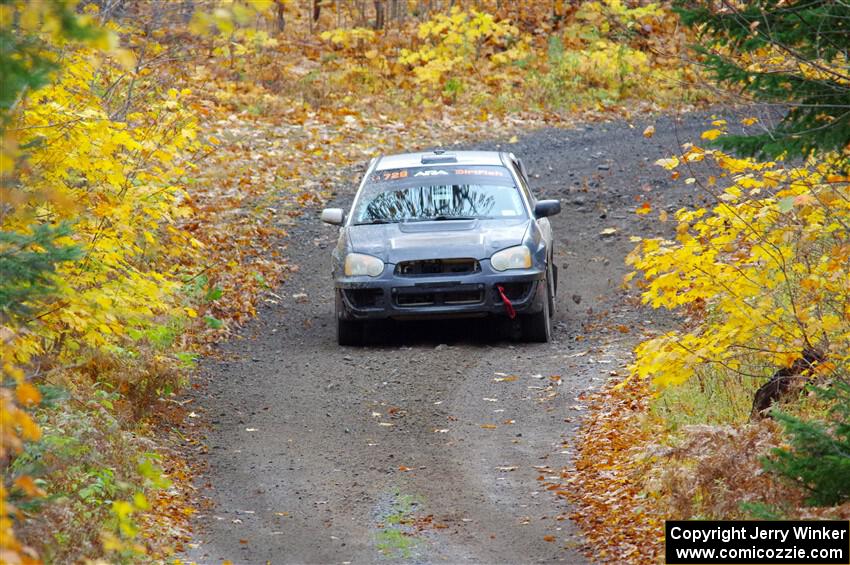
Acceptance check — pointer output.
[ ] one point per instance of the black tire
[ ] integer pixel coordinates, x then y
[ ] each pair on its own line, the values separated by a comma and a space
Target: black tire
538, 327
552, 288
349, 332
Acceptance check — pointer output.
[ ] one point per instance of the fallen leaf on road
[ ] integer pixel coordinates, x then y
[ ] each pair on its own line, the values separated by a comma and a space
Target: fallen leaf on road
509, 379
488, 426
404, 469
608, 231
549, 538
507, 469
649, 131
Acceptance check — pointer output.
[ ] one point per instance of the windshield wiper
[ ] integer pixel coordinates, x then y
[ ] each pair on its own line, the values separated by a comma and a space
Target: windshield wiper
375, 222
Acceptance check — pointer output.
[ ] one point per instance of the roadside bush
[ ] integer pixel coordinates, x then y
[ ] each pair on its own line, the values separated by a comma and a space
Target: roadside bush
610, 51
85, 466
762, 276
604, 72
94, 153
818, 459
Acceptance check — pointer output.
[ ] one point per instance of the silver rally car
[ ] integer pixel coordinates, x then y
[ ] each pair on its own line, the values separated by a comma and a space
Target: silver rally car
444, 235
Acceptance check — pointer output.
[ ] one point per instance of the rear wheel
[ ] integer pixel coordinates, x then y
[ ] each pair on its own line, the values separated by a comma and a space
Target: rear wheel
538, 327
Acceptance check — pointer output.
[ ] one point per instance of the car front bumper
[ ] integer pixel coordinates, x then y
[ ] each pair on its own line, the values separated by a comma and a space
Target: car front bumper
422, 297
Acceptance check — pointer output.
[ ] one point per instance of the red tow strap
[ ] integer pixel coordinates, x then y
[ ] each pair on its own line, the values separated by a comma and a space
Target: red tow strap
509, 308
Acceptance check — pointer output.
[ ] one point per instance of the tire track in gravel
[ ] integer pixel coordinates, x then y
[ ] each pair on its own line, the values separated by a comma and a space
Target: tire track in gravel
308, 440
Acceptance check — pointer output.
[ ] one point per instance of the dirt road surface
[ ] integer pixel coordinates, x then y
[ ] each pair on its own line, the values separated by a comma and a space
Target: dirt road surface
427, 448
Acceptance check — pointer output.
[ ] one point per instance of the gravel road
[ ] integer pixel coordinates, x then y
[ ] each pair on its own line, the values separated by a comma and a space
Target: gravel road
428, 447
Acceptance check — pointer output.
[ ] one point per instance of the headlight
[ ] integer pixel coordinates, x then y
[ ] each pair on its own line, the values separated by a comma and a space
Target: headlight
518, 257
357, 264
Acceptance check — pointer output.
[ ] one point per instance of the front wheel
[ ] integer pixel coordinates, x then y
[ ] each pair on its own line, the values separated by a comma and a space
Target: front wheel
538, 327
348, 332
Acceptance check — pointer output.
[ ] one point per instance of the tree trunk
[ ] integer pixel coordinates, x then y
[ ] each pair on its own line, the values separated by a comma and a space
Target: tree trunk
281, 16
379, 14
315, 12
778, 385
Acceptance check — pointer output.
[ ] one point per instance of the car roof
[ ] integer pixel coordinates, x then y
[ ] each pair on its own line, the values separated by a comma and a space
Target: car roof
404, 160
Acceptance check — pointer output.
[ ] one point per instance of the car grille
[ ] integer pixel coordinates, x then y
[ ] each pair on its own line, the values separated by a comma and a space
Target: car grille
459, 295
437, 267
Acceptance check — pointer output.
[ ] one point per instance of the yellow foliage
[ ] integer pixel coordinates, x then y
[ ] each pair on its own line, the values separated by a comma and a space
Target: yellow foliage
763, 276
118, 180
459, 41
609, 51
711, 134
79, 157
349, 37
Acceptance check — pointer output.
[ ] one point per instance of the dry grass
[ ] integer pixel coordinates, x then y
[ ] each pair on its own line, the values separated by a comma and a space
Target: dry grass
639, 465
715, 472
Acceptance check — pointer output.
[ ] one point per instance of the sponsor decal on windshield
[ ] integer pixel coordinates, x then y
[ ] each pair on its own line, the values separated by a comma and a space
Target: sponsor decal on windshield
390, 175
480, 172
401, 174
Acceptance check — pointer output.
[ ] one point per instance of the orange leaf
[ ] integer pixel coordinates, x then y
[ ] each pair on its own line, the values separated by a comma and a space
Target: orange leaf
27, 394
26, 484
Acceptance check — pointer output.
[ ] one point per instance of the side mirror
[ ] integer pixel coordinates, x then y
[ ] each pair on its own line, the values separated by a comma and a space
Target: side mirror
546, 208
333, 216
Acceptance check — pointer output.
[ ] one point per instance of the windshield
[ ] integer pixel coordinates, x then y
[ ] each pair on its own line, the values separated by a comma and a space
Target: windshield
438, 193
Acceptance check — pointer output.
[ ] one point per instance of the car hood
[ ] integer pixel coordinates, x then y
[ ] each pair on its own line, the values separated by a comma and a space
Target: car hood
477, 239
